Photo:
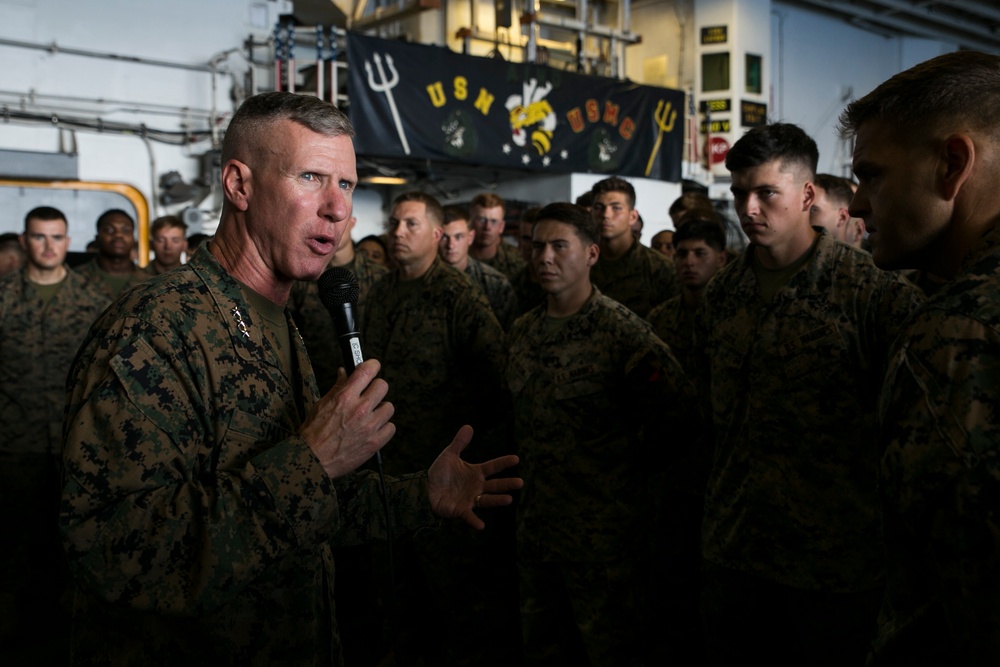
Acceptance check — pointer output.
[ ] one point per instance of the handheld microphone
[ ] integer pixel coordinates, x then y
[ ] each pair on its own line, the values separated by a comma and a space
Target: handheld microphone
338, 290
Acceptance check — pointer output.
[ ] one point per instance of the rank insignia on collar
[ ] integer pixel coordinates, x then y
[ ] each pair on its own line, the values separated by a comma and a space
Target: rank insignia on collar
240, 324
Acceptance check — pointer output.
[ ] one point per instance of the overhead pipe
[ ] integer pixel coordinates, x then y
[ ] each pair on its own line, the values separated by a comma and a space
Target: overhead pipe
55, 48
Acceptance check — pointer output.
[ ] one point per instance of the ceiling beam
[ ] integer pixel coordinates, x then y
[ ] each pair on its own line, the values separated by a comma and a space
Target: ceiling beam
910, 27
937, 18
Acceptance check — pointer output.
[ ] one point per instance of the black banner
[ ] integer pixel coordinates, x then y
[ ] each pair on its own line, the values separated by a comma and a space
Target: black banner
417, 101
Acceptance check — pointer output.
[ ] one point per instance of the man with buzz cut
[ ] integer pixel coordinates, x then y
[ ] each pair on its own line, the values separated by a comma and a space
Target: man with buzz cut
488, 211
928, 164
590, 381
113, 270
204, 476
45, 311
441, 349
795, 335
699, 253
457, 235
627, 271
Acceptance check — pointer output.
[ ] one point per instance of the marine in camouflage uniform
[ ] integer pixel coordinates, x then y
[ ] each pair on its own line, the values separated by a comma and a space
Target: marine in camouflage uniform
793, 381
115, 243
496, 288
583, 390
38, 340
487, 213
927, 189
316, 325
627, 271
441, 350
197, 521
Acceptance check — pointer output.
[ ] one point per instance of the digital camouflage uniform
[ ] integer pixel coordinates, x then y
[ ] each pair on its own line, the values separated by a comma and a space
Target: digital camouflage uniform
508, 260
441, 351
196, 520
38, 341
639, 279
497, 289
316, 325
940, 475
793, 385
106, 283
586, 391
529, 293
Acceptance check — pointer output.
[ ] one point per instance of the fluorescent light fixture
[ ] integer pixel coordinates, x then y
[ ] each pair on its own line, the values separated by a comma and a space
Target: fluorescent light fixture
383, 180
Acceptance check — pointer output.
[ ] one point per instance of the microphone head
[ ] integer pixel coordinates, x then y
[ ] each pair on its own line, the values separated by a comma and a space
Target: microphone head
338, 286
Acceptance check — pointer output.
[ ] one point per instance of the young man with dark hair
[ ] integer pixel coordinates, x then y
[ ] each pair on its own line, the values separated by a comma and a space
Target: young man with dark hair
928, 165
700, 253
113, 270
794, 334
626, 270
590, 380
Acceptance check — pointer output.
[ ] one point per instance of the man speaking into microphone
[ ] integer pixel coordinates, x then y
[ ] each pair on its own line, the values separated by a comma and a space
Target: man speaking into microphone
203, 474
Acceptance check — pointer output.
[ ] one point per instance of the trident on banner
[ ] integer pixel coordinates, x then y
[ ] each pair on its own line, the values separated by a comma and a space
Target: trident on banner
660, 116
385, 86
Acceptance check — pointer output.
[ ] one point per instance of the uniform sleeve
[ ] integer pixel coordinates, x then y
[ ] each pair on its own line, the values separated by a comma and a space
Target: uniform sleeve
363, 514
157, 514
941, 473
897, 299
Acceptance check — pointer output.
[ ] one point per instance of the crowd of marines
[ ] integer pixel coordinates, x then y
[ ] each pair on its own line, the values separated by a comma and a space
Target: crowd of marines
782, 454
